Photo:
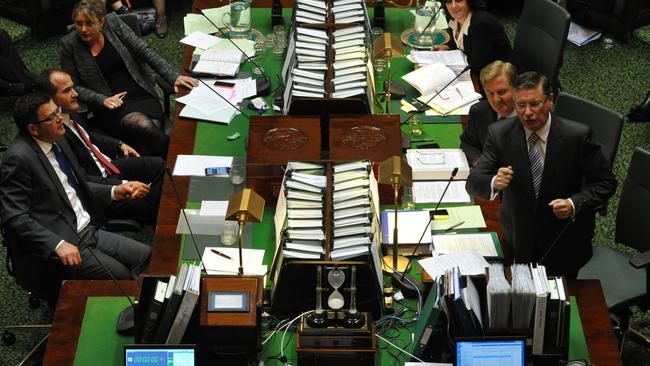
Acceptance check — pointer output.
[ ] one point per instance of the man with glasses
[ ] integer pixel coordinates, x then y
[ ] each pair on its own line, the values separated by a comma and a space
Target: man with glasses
497, 79
49, 208
551, 176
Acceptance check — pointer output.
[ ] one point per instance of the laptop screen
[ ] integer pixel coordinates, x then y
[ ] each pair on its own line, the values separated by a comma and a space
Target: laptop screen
159, 355
490, 353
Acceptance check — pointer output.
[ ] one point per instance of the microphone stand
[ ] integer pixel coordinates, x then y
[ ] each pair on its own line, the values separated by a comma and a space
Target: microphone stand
435, 95
411, 285
126, 318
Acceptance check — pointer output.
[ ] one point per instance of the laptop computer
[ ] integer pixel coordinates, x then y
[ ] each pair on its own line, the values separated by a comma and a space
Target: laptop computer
159, 355
490, 351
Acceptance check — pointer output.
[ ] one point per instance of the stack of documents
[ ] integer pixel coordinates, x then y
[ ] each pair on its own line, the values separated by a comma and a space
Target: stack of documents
460, 94
352, 210
523, 296
542, 291
431, 192
462, 304
348, 11
580, 36
222, 58
437, 164
483, 244
311, 11
350, 69
213, 99
499, 297
453, 59
304, 190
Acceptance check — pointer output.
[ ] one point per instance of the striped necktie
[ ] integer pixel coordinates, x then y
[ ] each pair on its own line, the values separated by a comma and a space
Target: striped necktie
535, 159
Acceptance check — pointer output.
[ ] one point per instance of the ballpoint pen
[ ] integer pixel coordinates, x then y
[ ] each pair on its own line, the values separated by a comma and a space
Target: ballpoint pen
220, 254
454, 225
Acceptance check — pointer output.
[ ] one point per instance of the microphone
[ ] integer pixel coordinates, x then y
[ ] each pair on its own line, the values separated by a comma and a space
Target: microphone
189, 227
125, 320
443, 212
235, 44
435, 95
409, 291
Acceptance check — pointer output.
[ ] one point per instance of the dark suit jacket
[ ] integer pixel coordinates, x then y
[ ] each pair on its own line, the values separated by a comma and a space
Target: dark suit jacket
77, 61
486, 41
481, 115
107, 145
574, 167
33, 203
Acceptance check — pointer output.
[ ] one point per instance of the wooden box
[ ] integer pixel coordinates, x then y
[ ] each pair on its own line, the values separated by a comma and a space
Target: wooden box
272, 142
362, 136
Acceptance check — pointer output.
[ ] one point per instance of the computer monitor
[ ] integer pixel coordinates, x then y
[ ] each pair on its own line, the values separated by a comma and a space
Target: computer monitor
159, 355
490, 352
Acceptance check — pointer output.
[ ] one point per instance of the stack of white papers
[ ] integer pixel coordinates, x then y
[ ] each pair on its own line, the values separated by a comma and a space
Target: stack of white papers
430, 78
470, 264
451, 59
479, 243
223, 57
430, 192
437, 164
460, 94
203, 102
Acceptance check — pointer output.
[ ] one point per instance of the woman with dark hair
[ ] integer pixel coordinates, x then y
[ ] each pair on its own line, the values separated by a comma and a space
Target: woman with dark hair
106, 61
477, 33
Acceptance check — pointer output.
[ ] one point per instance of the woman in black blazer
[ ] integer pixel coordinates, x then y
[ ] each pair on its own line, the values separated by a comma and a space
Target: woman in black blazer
477, 33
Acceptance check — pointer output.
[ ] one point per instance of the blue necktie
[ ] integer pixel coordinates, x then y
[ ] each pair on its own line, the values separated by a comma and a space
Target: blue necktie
535, 159
72, 179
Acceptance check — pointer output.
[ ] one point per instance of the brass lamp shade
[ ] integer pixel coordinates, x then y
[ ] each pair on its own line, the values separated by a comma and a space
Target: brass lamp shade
245, 202
395, 171
382, 45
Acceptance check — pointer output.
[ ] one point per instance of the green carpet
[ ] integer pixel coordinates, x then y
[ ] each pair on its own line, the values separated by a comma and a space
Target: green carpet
616, 78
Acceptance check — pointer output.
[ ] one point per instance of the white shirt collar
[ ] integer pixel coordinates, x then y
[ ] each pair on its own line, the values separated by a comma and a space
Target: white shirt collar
45, 146
453, 24
513, 113
542, 132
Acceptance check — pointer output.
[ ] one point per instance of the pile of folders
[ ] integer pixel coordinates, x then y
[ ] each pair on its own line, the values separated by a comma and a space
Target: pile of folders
328, 44
523, 301
324, 208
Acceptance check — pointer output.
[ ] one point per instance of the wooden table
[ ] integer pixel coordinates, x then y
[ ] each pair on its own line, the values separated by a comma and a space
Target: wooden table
66, 325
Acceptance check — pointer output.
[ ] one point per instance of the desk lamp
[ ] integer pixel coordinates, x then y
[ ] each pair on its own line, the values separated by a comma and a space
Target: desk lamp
396, 172
244, 206
389, 46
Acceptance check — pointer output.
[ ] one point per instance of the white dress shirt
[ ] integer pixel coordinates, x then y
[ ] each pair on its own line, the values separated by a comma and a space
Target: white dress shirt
459, 34
68, 122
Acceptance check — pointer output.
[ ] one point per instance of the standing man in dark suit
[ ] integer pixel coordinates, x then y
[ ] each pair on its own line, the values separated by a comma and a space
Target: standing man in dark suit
48, 206
497, 79
103, 156
551, 176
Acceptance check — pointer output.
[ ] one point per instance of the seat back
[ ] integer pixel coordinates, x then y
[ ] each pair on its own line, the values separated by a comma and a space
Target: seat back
633, 217
41, 277
541, 36
606, 124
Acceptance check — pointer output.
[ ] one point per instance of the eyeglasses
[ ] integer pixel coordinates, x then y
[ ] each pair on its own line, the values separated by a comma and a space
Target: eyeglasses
520, 106
52, 117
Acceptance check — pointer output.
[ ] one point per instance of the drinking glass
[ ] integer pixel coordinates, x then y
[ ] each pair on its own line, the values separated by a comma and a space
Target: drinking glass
415, 125
229, 233
237, 173
238, 19
408, 202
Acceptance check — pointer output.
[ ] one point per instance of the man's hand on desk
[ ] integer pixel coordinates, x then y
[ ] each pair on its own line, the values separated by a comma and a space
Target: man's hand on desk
503, 178
185, 82
69, 254
131, 190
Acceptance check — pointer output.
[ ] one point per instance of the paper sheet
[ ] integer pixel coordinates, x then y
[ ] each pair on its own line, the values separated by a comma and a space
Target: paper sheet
430, 192
213, 208
470, 264
200, 224
449, 58
200, 40
195, 164
471, 217
216, 264
482, 244
411, 225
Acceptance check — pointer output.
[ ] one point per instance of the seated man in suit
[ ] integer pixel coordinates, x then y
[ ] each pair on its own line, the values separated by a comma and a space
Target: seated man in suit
497, 79
15, 78
95, 150
47, 205
551, 175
